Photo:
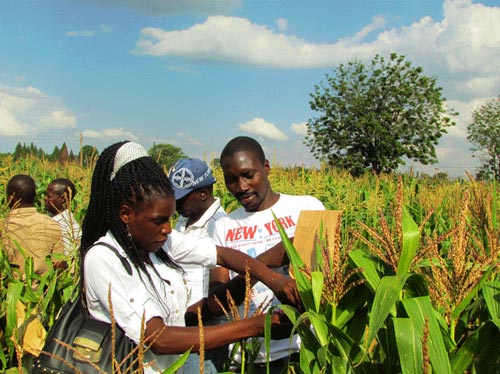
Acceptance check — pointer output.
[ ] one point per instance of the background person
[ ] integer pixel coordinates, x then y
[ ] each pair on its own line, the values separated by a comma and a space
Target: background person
131, 206
58, 196
251, 228
25, 231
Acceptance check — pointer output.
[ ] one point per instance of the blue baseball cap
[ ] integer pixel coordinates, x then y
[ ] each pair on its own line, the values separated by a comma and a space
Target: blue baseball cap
188, 174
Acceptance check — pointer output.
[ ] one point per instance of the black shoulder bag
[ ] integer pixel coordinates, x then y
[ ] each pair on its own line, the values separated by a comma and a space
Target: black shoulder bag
87, 344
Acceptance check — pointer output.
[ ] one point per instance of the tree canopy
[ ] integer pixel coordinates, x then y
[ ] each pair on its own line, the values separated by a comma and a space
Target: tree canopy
88, 155
373, 117
484, 134
166, 154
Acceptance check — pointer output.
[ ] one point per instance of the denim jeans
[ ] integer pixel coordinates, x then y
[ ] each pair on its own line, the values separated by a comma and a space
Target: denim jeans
279, 366
192, 365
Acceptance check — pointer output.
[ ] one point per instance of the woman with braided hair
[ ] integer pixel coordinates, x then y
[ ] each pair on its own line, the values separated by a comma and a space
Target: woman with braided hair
130, 208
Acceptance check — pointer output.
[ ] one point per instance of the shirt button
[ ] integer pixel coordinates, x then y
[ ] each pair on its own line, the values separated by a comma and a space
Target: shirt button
172, 292
131, 300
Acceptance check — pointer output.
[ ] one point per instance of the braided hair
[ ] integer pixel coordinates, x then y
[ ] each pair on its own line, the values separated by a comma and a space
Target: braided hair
138, 181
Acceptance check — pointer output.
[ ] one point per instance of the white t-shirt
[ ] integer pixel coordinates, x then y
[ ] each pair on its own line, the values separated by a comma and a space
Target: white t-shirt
133, 296
254, 233
197, 277
70, 229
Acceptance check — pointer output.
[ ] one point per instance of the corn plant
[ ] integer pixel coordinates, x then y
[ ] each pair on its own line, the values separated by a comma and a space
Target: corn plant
410, 300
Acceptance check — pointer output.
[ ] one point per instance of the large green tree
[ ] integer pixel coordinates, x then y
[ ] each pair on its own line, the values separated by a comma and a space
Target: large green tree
166, 154
484, 134
88, 155
373, 117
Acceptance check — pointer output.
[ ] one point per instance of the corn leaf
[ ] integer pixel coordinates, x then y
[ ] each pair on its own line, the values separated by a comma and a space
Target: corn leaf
411, 237
343, 316
13, 296
491, 294
409, 346
320, 327
339, 366
308, 362
455, 314
343, 342
387, 294
317, 284
177, 363
329, 334
420, 310
462, 359
363, 261
489, 349
303, 282
267, 332
481, 349
301, 326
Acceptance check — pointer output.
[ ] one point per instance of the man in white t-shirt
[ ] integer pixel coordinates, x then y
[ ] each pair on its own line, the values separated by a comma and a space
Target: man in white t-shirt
193, 181
252, 229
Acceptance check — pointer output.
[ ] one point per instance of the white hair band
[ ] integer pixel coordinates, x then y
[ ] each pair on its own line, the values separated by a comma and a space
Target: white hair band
127, 152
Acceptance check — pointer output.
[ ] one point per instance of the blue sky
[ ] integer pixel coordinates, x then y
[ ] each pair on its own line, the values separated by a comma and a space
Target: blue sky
197, 73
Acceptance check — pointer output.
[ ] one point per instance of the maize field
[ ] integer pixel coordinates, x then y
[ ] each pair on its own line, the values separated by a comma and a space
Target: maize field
411, 286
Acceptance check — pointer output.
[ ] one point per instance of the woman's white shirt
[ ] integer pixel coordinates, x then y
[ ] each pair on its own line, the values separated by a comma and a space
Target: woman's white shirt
133, 296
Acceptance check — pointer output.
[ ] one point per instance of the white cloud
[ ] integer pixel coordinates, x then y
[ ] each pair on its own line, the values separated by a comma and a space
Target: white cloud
282, 24
259, 126
19, 100
103, 29
377, 23
464, 117
28, 111
462, 49
166, 7
453, 152
10, 126
187, 138
465, 42
112, 134
33, 90
80, 33
299, 128
59, 119
480, 85
454, 158
236, 40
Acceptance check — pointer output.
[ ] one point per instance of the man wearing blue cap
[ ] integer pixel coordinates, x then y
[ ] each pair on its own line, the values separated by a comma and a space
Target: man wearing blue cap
193, 180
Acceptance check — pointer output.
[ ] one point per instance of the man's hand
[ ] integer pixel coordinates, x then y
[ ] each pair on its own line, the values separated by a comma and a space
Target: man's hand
281, 326
285, 289
275, 256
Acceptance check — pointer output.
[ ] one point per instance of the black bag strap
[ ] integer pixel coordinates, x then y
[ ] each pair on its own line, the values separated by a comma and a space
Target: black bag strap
125, 264
124, 261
